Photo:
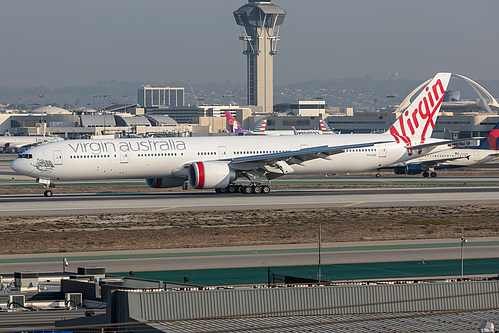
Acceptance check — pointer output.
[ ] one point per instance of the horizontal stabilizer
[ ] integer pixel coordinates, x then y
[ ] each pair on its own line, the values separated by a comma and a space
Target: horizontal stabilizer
440, 143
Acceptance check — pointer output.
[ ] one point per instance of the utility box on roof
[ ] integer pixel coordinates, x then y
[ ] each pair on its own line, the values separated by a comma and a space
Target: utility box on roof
97, 272
26, 280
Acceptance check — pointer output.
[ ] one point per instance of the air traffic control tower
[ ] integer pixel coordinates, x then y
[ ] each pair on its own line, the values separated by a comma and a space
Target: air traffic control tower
260, 21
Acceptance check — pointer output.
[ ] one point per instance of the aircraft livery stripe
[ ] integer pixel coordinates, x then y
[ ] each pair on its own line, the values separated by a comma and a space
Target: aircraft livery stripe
201, 175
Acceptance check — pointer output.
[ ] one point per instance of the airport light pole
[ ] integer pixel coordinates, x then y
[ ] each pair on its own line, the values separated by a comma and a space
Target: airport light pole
104, 99
64, 264
463, 241
228, 97
125, 98
318, 98
319, 272
41, 114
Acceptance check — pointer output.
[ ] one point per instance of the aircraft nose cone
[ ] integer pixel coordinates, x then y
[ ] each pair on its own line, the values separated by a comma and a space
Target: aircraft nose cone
14, 165
18, 166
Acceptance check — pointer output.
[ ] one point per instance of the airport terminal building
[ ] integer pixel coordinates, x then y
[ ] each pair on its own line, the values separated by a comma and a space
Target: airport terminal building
161, 111
210, 120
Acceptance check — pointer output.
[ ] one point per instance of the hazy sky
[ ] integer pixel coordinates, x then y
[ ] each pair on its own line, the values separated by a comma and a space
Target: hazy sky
62, 42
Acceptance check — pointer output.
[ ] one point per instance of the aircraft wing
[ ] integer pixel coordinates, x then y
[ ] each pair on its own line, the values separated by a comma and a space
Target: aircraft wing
10, 144
19, 145
279, 163
432, 163
28, 145
426, 164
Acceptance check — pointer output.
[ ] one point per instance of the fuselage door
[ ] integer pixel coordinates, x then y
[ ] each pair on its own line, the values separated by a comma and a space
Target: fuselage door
123, 156
222, 152
382, 150
58, 157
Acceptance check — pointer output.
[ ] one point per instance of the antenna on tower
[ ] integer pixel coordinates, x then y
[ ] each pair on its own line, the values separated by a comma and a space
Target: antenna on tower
194, 95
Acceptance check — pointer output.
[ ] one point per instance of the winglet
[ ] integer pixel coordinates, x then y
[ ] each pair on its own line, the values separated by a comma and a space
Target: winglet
415, 125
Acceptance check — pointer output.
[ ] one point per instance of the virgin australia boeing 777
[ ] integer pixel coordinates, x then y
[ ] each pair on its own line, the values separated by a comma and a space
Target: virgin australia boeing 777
216, 162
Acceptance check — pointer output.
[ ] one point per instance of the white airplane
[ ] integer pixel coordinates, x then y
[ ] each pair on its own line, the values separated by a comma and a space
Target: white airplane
487, 151
217, 162
13, 141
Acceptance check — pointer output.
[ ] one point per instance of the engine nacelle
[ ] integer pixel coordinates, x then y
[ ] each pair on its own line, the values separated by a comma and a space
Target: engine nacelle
413, 169
399, 170
210, 175
165, 182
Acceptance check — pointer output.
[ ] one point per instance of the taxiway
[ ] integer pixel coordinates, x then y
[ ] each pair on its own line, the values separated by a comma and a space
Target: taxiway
255, 256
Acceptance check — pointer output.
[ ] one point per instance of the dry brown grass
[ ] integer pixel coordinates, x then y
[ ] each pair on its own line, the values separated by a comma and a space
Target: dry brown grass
203, 229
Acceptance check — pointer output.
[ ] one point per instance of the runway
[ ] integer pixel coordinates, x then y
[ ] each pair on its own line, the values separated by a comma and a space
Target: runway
140, 202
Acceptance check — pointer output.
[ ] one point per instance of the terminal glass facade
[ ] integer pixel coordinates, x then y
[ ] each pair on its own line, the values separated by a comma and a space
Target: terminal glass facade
160, 96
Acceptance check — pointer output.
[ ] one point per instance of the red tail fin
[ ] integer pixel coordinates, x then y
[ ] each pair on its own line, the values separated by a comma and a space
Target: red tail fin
416, 123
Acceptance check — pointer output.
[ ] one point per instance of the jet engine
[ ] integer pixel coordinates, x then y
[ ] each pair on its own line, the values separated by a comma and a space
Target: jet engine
399, 170
165, 182
210, 175
409, 169
413, 169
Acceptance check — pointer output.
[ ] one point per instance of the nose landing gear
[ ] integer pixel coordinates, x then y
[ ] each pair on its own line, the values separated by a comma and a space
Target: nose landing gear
48, 187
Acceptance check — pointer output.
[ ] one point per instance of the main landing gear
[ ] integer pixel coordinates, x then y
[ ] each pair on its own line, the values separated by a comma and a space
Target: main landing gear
245, 189
432, 174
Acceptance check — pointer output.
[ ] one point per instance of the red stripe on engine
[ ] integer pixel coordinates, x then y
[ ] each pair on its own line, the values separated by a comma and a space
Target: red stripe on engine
201, 175
157, 183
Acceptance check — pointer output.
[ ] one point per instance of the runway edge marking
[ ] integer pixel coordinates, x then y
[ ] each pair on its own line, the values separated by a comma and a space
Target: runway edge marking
160, 209
353, 204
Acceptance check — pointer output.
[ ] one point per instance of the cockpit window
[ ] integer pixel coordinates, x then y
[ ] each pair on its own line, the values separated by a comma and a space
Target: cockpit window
25, 156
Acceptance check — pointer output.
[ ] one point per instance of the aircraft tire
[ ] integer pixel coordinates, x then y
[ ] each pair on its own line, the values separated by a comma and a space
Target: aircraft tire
433, 174
378, 175
48, 193
217, 190
265, 189
231, 189
257, 189
246, 189
223, 190
425, 174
